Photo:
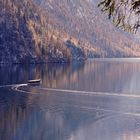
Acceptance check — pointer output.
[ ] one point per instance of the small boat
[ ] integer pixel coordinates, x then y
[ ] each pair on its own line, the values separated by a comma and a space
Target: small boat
36, 81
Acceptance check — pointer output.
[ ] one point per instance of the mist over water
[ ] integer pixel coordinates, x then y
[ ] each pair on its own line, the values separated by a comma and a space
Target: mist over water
68, 115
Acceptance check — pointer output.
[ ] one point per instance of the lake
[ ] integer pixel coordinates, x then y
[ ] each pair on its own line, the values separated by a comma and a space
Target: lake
94, 100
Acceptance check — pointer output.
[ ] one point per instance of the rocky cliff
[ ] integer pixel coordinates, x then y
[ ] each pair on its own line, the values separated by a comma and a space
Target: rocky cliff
96, 34
36, 31
28, 36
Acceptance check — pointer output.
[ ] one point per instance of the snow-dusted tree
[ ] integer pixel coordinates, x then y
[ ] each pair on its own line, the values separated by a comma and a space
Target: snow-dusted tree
123, 13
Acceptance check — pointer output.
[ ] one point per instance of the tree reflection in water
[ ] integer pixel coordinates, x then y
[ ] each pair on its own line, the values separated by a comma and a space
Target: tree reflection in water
63, 116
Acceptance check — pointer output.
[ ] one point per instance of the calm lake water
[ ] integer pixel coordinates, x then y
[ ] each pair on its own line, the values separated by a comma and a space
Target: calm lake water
95, 100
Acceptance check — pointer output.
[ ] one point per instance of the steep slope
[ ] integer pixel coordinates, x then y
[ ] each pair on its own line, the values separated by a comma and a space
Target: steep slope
35, 31
26, 35
82, 20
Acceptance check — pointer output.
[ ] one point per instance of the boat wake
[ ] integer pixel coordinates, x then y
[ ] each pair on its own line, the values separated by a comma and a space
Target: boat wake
41, 91
13, 85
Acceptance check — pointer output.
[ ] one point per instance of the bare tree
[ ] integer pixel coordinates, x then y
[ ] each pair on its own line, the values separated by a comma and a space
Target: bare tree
123, 13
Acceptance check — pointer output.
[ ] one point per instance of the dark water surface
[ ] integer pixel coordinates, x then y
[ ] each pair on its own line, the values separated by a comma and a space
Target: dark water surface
95, 100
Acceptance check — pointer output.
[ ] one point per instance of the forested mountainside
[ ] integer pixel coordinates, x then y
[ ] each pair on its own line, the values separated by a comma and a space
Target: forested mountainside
83, 20
26, 35
35, 31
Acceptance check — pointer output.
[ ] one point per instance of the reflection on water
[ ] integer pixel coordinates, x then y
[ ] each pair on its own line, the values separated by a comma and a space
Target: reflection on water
63, 116
100, 76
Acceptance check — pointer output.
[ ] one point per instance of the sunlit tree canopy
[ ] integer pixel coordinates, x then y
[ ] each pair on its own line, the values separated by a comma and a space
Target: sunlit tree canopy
123, 13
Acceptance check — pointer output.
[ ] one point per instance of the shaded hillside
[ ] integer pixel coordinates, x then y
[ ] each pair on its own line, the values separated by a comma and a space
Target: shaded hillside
82, 20
26, 35
36, 31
